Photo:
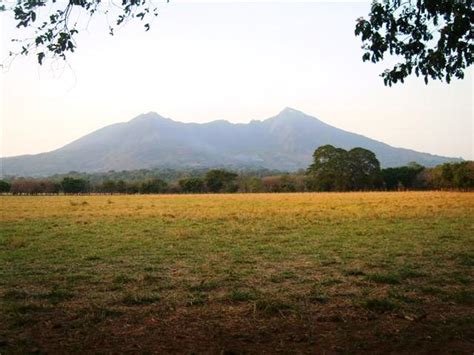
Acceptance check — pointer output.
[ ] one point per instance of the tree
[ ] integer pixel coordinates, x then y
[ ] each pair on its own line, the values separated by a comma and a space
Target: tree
250, 184
108, 186
457, 175
191, 185
330, 170
463, 176
4, 186
121, 187
364, 169
432, 38
71, 185
33, 186
335, 169
403, 177
221, 181
23, 186
48, 187
154, 186
448, 176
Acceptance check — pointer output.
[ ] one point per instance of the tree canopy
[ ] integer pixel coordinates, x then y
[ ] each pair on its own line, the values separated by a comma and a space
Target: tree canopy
335, 169
329, 169
72, 185
402, 177
220, 181
431, 38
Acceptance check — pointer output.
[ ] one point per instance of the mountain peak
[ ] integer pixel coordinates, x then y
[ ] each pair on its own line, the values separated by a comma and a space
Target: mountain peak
290, 115
149, 116
289, 110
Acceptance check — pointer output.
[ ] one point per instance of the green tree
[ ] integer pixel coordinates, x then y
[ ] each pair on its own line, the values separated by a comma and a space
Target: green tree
221, 181
132, 188
449, 176
457, 175
403, 177
4, 186
108, 186
121, 187
335, 169
191, 185
287, 183
463, 175
431, 38
330, 170
154, 186
70, 185
250, 184
364, 169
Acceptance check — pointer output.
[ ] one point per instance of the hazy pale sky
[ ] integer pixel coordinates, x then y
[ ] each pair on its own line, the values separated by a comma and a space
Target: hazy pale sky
236, 61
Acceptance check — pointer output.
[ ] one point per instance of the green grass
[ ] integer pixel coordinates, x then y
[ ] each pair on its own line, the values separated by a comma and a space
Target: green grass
342, 271
389, 278
238, 295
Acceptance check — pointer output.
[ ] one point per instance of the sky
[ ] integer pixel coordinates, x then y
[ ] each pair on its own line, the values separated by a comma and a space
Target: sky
230, 60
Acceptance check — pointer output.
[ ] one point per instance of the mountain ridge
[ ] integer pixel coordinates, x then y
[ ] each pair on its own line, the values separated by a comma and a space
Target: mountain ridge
285, 141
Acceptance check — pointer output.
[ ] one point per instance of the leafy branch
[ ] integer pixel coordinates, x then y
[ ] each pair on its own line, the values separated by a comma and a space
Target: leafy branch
432, 37
55, 33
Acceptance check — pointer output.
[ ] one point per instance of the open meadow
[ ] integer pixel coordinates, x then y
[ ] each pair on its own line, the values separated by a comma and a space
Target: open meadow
309, 272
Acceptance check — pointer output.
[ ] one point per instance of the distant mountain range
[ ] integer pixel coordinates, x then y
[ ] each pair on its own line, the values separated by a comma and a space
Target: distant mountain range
284, 142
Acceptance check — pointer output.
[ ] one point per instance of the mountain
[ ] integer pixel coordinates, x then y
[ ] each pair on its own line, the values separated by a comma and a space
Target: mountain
285, 142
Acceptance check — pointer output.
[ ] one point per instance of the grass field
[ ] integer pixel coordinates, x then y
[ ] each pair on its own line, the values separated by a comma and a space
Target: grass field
352, 272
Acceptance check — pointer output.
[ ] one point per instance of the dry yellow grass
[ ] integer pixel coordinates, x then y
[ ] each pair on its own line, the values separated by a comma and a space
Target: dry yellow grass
259, 206
240, 272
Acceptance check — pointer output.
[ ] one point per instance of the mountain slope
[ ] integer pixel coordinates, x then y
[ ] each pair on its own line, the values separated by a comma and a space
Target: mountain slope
284, 142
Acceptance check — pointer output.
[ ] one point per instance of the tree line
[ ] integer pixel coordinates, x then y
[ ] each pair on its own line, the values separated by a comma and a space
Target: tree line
333, 169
